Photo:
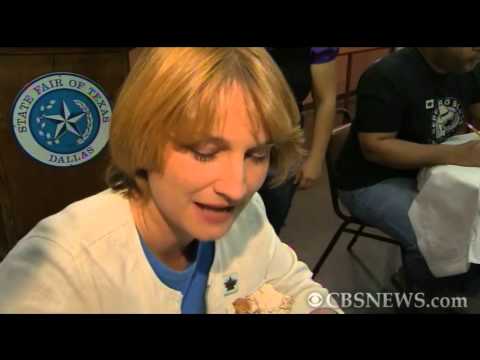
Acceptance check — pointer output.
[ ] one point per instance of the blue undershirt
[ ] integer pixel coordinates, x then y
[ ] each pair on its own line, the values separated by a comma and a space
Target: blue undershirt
192, 282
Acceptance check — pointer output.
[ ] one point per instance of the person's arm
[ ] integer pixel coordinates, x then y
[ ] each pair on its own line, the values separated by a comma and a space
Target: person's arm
284, 271
474, 111
324, 86
38, 276
324, 90
380, 115
292, 277
385, 149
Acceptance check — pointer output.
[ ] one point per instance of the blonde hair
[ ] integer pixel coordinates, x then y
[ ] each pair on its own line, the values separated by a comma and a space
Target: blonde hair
171, 94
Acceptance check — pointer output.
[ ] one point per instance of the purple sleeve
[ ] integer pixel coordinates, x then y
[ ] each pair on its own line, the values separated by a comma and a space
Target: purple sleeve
321, 55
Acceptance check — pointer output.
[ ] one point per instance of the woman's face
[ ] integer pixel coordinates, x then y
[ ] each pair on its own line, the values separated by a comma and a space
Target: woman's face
204, 186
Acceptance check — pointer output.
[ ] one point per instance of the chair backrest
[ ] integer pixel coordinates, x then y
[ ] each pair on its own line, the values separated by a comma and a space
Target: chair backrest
335, 146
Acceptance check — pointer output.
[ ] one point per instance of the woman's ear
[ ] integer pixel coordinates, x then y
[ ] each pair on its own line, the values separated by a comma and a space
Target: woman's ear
141, 183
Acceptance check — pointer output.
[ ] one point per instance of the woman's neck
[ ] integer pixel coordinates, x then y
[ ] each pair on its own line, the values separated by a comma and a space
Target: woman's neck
168, 244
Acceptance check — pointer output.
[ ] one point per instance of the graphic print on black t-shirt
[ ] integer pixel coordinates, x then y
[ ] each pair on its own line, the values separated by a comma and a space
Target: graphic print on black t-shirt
447, 117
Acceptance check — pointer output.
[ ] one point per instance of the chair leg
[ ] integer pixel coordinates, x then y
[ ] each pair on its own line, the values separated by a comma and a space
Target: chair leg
329, 249
355, 238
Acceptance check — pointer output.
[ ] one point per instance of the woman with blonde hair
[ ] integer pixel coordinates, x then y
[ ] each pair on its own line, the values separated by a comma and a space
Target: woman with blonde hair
181, 228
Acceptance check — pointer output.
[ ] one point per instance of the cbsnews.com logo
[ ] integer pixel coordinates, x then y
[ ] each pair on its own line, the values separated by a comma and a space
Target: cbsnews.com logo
363, 300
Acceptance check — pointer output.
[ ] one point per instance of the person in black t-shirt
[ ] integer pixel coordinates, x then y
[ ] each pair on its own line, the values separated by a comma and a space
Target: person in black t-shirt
407, 105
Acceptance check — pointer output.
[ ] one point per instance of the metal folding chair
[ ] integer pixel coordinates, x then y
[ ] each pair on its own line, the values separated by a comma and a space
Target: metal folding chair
339, 136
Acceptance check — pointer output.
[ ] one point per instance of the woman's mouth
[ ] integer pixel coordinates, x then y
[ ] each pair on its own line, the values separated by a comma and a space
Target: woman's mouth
218, 208
215, 213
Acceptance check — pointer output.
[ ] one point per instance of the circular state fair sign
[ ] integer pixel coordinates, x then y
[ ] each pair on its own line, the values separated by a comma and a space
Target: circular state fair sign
62, 119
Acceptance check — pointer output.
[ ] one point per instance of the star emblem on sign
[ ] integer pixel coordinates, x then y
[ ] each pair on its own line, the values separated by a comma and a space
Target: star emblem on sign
65, 121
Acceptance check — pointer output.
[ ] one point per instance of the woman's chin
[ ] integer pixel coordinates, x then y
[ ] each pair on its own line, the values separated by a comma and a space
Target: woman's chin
209, 233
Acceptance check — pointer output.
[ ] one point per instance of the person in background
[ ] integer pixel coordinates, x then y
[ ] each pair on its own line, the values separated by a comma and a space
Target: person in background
181, 228
307, 70
408, 103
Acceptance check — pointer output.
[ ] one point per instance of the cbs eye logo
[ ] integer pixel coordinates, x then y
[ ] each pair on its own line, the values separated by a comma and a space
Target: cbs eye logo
315, 299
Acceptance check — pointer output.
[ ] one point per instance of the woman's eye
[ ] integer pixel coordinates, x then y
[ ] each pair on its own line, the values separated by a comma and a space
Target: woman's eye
205, 154
202, 155
260, 155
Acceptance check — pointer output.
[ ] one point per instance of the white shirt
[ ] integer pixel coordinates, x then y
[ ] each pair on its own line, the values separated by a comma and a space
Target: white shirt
88, 259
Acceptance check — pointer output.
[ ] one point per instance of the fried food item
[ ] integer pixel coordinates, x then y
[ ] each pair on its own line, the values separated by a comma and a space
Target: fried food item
265, 300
